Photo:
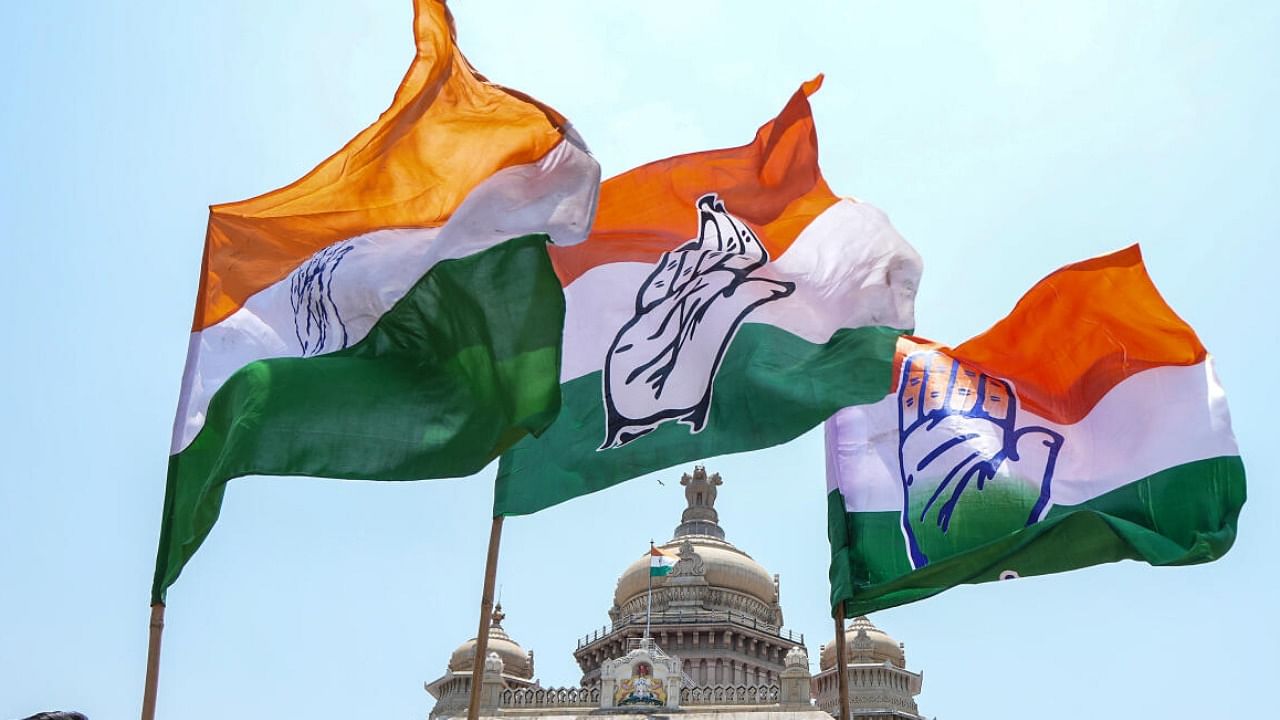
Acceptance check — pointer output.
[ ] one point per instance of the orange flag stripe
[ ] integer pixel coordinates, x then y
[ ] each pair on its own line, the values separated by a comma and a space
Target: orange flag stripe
447, 130
773, 183
1077, 334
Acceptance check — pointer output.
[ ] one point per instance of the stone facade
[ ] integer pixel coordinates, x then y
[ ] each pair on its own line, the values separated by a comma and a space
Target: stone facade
716, 646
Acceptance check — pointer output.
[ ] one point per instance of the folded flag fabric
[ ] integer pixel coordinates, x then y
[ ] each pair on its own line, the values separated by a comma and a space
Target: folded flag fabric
1085, 427
393, 315
724, 301
661, 562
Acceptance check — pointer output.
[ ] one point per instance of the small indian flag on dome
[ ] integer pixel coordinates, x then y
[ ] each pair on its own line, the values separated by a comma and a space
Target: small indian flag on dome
661, 561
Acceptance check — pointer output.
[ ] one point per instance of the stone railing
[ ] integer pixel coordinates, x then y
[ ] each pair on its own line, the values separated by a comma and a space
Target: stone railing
589, 697
566, 697
700, 617
731, 695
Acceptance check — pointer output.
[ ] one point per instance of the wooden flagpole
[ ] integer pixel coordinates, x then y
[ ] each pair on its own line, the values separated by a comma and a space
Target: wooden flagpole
648, 604
486, 610
153, 663
842, 664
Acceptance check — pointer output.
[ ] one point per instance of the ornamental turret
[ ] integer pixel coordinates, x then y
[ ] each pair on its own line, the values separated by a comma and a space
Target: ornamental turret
880, 685
508, 663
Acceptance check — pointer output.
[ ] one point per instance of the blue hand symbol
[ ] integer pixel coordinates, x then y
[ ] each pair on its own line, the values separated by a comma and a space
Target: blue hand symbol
957, 432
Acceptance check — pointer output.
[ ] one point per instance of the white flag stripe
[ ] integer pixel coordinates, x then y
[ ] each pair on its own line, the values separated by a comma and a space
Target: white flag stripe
662, 561
1152, 421
556, 196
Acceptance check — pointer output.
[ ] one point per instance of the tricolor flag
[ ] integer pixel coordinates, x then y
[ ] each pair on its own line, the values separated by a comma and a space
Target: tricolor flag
393, 315
1086, 427
724, 301
661, 562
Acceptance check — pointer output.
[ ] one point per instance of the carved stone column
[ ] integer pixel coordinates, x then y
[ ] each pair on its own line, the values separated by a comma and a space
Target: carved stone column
795, 679
491, 685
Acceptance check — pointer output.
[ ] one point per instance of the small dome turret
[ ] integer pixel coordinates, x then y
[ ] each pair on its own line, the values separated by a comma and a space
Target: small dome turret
864, 643
516, 661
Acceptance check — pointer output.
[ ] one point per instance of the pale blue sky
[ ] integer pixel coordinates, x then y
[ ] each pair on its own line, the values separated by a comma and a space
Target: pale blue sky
1004, 139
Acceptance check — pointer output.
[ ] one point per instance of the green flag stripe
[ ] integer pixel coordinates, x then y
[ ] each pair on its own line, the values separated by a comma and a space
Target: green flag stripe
459, 369
1180, 516
771, 387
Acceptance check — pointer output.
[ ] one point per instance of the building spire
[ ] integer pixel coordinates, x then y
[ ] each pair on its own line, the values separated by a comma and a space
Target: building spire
700, 517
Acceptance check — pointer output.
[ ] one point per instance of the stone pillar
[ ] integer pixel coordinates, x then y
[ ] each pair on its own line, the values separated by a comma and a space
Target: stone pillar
795, 679
491, 686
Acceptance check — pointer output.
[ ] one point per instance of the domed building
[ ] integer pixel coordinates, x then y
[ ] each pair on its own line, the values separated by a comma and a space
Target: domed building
864, 643
452, 690
708, 642
718, 610
880, 686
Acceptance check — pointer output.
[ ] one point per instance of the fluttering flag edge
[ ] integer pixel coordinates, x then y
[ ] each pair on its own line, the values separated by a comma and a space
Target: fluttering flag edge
1179, 506
273, 393
1124, 537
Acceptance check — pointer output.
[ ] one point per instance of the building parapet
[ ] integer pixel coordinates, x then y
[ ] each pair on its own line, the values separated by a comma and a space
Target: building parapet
741, 698
692, 618
564, 697
731, 695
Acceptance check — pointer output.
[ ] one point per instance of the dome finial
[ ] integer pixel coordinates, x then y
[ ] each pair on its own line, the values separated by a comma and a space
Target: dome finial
700, 517
498, 616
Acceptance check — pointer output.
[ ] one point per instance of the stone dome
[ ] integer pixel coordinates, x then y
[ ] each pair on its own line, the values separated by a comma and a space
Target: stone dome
724, 566
864, 643
737, 582
515, 660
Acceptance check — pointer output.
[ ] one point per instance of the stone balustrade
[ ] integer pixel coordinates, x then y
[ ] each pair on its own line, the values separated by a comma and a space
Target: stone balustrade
588, 698
730, 695
564, 697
